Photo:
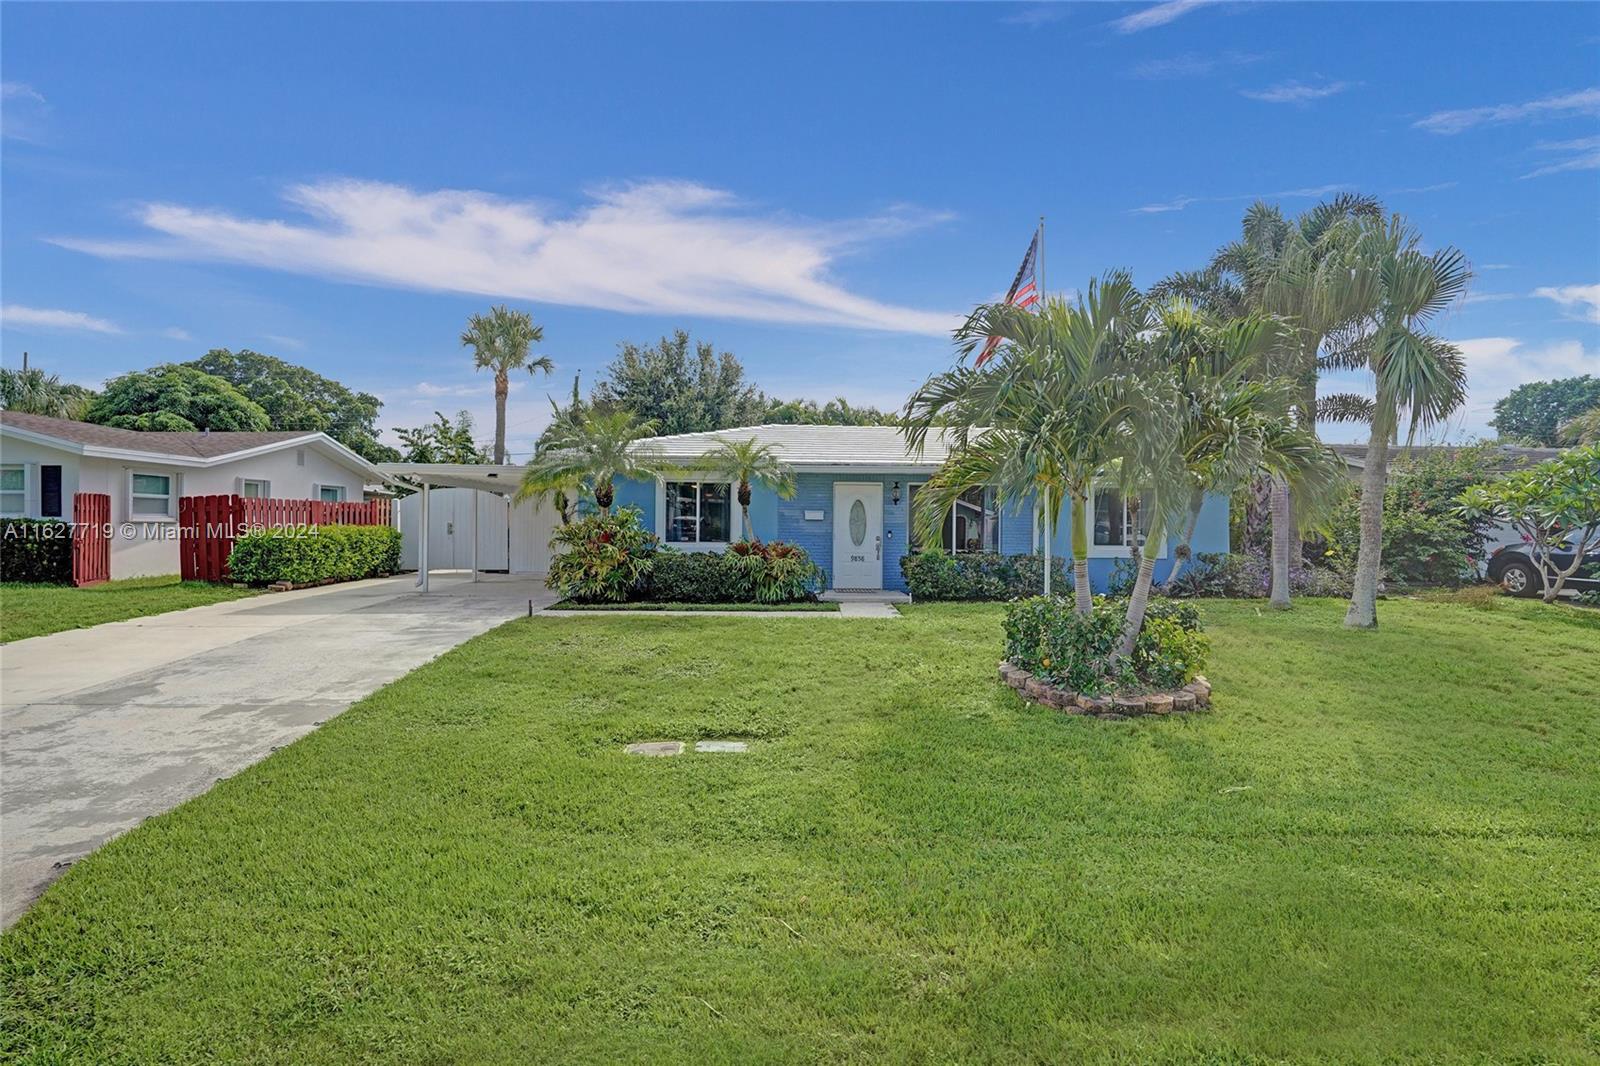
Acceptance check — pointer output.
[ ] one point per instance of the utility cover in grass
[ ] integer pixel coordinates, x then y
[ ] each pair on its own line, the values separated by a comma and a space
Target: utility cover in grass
721, 745
657, 747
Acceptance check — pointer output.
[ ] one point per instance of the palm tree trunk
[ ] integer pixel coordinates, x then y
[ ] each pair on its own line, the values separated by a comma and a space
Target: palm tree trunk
1082, 593
604, 493
1181, 554
1363, 612
1282, 535
1139, 598
502, 386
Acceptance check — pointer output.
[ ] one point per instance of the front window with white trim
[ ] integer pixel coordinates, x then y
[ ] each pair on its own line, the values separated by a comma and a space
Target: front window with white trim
150, 495
699, 512
13, 490
971, 525
254, 488
330, 493
1113, 519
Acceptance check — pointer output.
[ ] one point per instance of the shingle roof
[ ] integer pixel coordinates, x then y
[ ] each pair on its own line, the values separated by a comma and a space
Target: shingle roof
813, 446
182, 445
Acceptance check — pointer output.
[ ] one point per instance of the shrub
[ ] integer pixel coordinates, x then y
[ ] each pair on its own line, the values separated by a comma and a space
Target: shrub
602, 558
1046, 637
327, 553
694, 577
1244, 575
35, 551
775, 572
935, 575
748, 572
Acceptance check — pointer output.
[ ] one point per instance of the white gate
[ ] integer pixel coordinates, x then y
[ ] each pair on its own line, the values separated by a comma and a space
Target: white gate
509, 538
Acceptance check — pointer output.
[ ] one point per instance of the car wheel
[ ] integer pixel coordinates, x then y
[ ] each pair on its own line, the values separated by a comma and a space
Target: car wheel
1520, 579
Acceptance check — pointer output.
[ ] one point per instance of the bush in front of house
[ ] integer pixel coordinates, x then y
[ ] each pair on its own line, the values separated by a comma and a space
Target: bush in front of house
1049, 639
776, 572
1244, 575
602, 558
748, 572
936, 575
327, 553
36, 551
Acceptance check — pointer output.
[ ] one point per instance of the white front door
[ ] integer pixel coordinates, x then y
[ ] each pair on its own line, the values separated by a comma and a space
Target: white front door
857, 535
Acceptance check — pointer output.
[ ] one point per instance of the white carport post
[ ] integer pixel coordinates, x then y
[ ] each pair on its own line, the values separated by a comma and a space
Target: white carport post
475, 502
422, 541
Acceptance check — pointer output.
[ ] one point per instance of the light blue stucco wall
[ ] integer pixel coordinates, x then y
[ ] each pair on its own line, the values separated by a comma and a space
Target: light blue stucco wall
778, 519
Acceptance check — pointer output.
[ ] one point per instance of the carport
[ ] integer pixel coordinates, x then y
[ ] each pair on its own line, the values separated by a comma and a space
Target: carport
476, 492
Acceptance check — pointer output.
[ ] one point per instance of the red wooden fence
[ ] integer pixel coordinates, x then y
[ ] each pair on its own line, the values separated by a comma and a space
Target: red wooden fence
208, 525
91, 538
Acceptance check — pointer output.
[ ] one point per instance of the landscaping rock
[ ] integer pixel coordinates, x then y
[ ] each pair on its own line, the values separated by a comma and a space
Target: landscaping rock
1159, 703
656, 747
1034, 689
1095, 704
1182, 700
1128, 705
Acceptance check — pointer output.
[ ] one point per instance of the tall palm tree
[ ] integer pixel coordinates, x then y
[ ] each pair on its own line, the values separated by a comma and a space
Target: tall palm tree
589, 453
500, 341
745, 461
1416, 375
1582, 429
1042, 418
1298, 271
32, 391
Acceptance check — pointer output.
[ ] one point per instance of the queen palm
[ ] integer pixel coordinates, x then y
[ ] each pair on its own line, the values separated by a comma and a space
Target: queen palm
500, 341
1042, 418
589, 453
1417, 377
32, 391
745, 461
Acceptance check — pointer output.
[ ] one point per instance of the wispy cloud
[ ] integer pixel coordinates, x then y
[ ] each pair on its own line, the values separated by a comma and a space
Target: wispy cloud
658, 247
1489, 297
1497, 266
176, 333
1438, 186
17, 316
16, 90
1192, 65
1181, 202
1580, 301
1297, 92
1562, 105
1581, 154
22, 111
1157, 15
285, 342
1496, 365
1036, 15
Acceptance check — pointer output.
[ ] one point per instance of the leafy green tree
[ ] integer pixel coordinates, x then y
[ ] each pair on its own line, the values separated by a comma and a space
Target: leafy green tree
442, 441
677, 391
746, 461
588, 454
32, 391
1552, 505
1533, 413
836, 412
500, 341
174, 397
296, 397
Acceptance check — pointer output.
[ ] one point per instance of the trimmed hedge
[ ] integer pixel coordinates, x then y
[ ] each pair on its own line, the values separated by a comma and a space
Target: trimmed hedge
934, 575
748, 572
36, 551
330, 553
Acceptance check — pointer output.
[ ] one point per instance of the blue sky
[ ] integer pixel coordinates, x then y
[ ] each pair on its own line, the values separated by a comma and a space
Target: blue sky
821, 189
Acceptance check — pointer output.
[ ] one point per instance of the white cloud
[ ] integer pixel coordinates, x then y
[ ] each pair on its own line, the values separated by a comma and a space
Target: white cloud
1489, 297
1181, 202
285, 342
176, 333
1157, 15
16, 90
22, 116
1036, 15
1192, 65
1582, 300
20, 317
1295, 92
1582, 154
1498, 266
482, 387
659, 247
1562, 105
1496, 365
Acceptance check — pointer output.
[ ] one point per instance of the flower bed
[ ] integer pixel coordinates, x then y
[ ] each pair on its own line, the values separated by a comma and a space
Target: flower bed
1195, 696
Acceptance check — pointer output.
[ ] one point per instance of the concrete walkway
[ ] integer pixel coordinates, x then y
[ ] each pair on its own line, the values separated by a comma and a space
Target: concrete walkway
102, 728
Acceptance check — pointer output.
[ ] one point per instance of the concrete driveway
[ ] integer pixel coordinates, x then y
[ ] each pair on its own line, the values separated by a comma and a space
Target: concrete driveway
101, 728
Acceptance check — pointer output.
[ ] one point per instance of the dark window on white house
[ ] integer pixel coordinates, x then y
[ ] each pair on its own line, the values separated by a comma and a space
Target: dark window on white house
50, 491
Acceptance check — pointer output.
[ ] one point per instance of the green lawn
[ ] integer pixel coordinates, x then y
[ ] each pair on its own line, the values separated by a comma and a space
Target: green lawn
1379, 847
34, 610
742, 608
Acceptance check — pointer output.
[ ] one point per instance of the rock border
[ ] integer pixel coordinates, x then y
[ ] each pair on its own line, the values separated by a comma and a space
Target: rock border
1193, 697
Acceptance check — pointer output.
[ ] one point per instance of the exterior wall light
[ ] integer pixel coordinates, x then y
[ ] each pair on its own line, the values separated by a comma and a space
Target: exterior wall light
894, 494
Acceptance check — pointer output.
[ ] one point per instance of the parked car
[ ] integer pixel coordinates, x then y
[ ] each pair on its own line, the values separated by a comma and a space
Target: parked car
1512, 567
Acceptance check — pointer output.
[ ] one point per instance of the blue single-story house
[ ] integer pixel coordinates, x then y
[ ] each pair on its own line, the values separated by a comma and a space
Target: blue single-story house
851, 511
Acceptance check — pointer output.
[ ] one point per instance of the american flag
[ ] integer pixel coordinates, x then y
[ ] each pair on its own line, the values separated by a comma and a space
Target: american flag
1024, 292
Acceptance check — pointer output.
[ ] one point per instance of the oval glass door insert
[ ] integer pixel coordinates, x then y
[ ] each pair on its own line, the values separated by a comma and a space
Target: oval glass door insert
858, 523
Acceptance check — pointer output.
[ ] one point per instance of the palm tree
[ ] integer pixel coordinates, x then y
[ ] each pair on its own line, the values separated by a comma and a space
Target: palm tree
1042, 418
32, 391
1582, 429
1416, 375
1298, 271
745, 461
500, 341
589, 453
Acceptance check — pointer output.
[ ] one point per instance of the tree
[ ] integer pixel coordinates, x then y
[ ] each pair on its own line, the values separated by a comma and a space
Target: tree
296, 397
745, 461
1415, 375
500, 341
1533, 413
1583, 429
588, 454
1043, 417
836, 412
175, 398
442, 441
1553, 504
1299, 272
679, 393
32, 391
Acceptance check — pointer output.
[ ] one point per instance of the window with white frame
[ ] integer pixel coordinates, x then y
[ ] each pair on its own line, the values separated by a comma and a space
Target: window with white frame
1113, 520
13, 490
699, 512
330, 493
150, 495
972, 524
254, 488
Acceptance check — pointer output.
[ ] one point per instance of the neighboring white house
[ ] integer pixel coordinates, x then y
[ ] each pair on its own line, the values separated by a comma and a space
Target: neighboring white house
43, 461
